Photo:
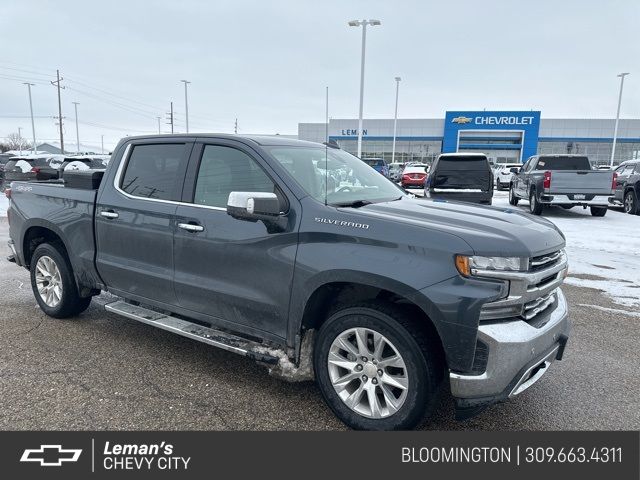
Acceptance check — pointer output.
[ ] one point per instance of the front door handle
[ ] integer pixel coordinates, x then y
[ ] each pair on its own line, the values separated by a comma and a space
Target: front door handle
191, 227
109, 214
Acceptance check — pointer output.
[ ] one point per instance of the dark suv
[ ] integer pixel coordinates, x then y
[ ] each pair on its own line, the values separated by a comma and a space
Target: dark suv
461, 176
627, 189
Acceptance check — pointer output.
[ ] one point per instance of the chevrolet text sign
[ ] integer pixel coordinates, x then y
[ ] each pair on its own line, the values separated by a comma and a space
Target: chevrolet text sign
527, 123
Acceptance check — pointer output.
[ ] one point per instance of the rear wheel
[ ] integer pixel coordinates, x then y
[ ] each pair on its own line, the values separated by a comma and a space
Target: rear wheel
53, 283
598, 211
631, 203
535, 206
376, 369
513, 200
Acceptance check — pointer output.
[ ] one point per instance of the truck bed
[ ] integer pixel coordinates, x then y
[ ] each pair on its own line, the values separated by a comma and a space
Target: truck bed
590, 182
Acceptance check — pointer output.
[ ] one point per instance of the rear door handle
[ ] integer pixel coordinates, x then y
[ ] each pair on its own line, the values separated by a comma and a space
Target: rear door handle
191, 227
109, 214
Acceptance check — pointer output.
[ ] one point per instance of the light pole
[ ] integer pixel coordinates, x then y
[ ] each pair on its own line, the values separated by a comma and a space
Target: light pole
615, 128
158, 125
186, 102
395, 121
75, 106
102, 144
363, 23
33, 125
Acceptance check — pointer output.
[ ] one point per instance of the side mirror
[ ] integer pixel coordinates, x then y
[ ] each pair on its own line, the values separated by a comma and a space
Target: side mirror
514, 170
257, 206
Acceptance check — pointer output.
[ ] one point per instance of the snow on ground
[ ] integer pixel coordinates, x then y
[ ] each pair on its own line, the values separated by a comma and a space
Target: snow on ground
604, 252
4, 203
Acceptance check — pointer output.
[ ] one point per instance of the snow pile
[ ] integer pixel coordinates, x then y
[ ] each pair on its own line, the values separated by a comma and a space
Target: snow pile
604, 252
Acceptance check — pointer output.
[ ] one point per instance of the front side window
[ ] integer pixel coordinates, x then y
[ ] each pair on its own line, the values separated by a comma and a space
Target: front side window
152, 171
335, 175
224, 170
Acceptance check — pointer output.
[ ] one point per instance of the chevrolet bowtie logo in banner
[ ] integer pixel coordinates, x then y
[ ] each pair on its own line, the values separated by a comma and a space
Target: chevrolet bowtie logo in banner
461, 120
50, 455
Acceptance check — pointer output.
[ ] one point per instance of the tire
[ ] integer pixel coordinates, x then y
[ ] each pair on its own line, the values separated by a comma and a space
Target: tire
631, 203
51, 272
535, 207
598, 211
513, 200
419, 354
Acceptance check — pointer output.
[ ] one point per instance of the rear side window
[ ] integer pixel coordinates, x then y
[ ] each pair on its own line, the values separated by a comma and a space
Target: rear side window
563, 163
153, 170
224, 170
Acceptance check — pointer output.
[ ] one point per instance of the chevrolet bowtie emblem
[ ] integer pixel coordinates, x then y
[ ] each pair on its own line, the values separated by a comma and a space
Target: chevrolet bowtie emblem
461, 120
50, 455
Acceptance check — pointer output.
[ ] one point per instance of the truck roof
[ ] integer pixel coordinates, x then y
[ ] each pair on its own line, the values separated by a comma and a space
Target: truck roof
259, 139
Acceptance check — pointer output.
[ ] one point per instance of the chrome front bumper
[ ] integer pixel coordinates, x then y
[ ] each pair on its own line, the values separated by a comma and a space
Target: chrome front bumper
519, 354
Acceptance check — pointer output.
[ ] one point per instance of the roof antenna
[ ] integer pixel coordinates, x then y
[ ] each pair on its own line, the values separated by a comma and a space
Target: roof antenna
326, 148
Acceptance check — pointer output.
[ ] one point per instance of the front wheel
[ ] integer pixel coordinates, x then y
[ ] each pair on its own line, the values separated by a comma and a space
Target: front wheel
513, 200
376, 368
53, 283
631, 203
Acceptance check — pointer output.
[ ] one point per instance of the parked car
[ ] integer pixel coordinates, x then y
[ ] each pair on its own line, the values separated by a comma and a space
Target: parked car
414, 177
627, 187
3, 161
562, 180
32, 167
461, 176
232, 241
378, 164
82, 163
502, 175
395, 171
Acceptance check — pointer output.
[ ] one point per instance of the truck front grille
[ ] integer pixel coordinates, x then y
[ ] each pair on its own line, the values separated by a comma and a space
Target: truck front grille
545, 261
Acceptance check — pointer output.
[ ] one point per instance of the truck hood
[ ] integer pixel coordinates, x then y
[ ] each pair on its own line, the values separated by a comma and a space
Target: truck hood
487, 230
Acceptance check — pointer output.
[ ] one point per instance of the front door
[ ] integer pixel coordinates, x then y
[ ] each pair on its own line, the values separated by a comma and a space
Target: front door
135, 220
232, 272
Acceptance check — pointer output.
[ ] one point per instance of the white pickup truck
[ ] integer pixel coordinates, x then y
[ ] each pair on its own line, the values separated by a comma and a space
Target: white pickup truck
562, 180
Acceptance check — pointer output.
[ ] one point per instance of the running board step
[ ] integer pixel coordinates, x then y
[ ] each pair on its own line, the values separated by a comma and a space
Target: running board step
192, 330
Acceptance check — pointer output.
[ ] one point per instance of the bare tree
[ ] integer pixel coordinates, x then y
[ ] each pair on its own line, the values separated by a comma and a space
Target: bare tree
15, 141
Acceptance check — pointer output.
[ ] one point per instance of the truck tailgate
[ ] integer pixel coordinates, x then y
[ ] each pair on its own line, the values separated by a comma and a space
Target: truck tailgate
582, 181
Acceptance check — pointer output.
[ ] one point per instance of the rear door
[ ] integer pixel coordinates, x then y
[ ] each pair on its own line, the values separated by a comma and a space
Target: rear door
135, 220
624, 172
230, 272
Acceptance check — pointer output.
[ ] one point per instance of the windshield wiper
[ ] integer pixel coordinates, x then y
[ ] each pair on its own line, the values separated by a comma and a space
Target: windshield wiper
353, 204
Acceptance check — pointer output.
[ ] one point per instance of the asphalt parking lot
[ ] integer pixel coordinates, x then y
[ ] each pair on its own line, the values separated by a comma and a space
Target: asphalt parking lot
100, 371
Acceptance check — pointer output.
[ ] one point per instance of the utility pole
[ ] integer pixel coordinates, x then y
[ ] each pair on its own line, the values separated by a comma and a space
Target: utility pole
235, 127
75, 106
33, 125
159, 132
57, 84
20, 140
395, 122
170, 114
615, 128
186, 102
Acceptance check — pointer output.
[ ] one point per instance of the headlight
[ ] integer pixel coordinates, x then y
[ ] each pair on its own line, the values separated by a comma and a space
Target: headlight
467, 266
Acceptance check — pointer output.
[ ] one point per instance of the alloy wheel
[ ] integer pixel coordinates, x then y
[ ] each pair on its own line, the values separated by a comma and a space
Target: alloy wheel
48, 281
368, 373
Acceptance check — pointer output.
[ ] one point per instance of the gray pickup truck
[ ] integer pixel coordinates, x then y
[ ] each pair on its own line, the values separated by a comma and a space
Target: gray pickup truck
562, 180
303, 258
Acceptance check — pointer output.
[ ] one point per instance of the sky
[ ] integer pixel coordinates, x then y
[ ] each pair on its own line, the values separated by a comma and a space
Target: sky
267, 63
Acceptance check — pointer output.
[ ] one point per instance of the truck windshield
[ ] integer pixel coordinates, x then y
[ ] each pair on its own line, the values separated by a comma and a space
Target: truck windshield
344, 179
563, 163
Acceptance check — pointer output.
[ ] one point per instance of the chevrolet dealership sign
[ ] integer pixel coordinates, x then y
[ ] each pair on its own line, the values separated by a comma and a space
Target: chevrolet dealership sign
527, 123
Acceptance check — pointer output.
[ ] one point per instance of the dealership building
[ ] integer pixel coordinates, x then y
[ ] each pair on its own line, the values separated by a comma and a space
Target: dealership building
504, 137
